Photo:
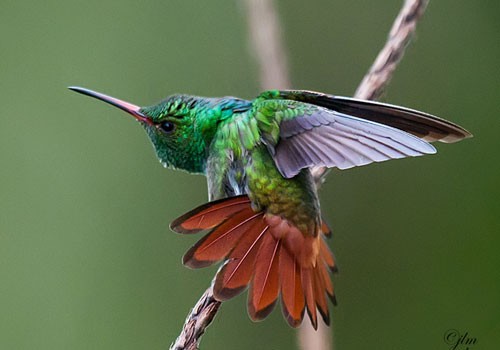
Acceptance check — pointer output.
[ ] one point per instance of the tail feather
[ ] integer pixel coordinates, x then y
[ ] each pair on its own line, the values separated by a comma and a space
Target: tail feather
319, 295
266, 252
217, 244
265, 283
236, 274
327, 255
325, 229
292, 294
308, 285
209, 215
327, 281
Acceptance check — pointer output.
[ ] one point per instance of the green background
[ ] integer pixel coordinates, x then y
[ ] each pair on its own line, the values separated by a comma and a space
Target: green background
86, 257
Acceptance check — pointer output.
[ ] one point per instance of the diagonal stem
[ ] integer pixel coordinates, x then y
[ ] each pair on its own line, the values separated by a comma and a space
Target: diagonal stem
197, 321
380, 73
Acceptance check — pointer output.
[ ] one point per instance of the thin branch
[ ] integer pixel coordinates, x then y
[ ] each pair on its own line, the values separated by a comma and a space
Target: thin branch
375, 81
265, 33
197, 321
380, 73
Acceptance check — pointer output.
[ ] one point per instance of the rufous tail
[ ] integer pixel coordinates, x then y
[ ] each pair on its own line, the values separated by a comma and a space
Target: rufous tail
264, 252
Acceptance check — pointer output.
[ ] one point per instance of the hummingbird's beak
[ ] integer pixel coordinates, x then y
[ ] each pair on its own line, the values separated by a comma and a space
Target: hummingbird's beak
127, 107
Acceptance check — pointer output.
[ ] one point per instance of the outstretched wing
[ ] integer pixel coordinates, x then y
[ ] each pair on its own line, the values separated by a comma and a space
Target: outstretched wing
420, 124
315, 136
331, 139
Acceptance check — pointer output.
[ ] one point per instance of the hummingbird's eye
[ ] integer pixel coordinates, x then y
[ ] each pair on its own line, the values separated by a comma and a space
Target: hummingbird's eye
167, 127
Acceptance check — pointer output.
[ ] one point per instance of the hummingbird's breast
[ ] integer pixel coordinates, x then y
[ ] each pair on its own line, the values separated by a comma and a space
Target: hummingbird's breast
240, 163
294, 199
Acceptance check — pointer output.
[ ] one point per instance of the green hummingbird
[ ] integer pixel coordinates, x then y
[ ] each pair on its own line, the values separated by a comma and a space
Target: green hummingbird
264, 217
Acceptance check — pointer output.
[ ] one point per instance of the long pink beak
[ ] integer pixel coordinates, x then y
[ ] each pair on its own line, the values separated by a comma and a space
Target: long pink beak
127, 107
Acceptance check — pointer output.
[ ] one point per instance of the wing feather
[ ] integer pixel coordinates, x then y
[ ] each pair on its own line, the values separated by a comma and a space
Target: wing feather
420, 124
332, 139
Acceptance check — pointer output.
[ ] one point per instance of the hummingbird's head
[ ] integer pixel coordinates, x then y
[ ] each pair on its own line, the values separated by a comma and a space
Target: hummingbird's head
172, 125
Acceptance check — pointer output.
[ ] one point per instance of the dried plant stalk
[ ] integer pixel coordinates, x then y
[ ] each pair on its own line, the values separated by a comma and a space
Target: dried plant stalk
380, 73
197, 321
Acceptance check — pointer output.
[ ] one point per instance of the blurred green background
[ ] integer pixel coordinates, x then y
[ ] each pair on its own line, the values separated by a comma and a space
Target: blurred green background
86, 257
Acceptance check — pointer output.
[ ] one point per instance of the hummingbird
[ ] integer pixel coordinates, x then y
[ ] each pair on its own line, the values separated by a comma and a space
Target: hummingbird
263, 216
